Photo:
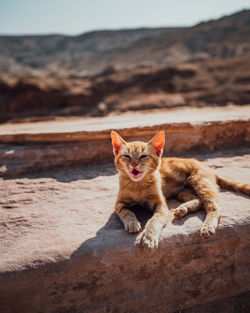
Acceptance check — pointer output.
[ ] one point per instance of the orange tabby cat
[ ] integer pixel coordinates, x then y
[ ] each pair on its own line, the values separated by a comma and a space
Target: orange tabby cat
148, 179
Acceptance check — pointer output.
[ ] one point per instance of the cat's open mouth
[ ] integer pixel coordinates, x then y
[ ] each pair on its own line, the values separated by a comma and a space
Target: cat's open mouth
136, 174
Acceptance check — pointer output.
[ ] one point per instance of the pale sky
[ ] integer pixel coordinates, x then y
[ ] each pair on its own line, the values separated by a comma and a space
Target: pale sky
77, 16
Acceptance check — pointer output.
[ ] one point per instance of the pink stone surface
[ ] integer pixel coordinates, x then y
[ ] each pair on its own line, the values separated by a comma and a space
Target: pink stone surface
63, 250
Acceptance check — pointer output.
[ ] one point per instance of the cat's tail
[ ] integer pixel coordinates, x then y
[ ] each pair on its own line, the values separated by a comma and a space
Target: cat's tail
230, 184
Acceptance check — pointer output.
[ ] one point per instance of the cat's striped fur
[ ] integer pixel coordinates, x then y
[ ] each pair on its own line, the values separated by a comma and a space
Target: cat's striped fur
148, 179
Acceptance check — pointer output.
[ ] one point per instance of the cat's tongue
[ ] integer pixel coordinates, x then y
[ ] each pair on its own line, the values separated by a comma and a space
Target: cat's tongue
136, 174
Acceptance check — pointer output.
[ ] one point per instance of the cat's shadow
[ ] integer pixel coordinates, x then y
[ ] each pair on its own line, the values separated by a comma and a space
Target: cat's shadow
143, 214
113, 232
72, 173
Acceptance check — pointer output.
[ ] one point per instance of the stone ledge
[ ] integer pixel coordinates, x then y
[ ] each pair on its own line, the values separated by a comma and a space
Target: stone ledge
89, 129
34, 147
77, 129
63, 250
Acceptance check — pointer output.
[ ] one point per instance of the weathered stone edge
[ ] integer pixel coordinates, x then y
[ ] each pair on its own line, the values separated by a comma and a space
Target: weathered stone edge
20, 155
92, 281
52, 137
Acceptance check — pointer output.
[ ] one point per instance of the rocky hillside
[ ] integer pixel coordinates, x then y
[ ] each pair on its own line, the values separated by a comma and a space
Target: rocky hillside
116, 71
222, 38
213, 82
92, 52
38, 52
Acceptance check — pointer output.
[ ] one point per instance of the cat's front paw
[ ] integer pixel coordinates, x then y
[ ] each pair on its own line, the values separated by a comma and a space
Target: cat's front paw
180, 211
149, 241
133, 226
207, 230
209, 226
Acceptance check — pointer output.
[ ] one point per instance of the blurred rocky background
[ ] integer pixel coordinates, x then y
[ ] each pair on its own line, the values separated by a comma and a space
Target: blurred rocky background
103, 72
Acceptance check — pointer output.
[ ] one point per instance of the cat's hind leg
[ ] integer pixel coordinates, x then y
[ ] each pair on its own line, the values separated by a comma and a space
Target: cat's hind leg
191, 203
204, 183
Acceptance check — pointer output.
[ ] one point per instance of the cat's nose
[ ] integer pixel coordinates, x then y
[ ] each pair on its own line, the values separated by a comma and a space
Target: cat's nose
134, 164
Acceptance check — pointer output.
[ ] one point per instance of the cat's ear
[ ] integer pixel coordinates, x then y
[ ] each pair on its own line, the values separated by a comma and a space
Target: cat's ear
158, 143
117, 141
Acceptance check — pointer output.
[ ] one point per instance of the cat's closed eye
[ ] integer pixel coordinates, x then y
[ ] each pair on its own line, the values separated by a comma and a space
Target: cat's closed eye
143, 156
126, 156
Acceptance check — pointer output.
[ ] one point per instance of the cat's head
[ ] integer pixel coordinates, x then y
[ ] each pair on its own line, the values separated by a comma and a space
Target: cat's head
137, 159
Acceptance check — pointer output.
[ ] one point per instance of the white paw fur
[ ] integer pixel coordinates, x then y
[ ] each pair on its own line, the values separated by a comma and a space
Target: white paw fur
133, 226
149, 241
